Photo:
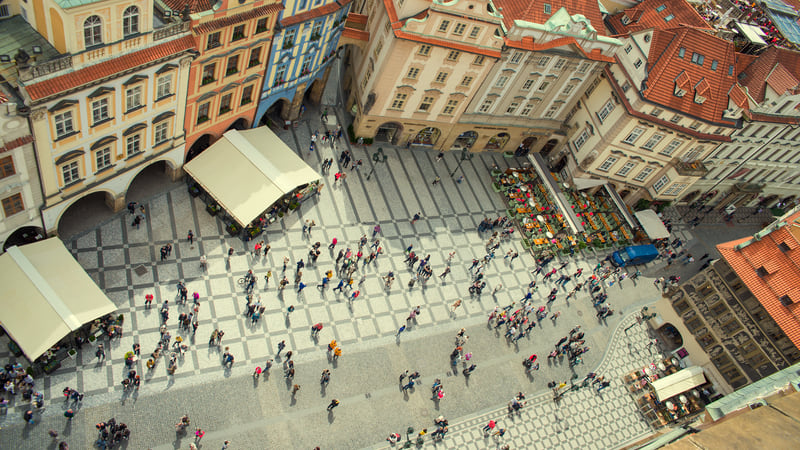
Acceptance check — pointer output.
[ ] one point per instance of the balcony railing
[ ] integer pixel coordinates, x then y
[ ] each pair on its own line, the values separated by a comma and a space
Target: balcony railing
171, 30
54, 65
690, 168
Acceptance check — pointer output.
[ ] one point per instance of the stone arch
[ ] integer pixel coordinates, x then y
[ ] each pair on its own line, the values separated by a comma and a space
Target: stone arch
277, 113
389, 132
73, 215
497, 142
202, 143
548, 147
150, 175
464, 140
426, 137
239, 124
24, 235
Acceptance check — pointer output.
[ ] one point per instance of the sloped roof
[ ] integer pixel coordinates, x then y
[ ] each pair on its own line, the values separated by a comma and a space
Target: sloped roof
664, 65
86, 75
782, 277
323, 10
238, 18
645, 15
195, 6
753, 77
781, 80
533, 11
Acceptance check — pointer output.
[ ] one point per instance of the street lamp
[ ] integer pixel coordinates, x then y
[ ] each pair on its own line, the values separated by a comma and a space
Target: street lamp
465, 156
378, 157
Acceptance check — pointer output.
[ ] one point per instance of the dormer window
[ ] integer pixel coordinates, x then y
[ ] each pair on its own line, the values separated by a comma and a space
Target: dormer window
682, 83
699, 99
698, 59
786, 300
762, 272
784, 247
625, 20
700, 90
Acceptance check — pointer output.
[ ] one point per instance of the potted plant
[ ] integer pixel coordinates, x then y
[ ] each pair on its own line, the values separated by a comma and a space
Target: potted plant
120, 319
72, 352
280, 214
51, 367
194, 191
212, 209
293, 206
255, 231
233, 229
92, 338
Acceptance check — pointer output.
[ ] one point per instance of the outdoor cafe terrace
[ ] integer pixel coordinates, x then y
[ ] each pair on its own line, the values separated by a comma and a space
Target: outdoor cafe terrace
545, 229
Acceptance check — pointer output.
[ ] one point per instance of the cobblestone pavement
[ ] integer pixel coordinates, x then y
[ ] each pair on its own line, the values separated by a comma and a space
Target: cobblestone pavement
582, 419
229, 404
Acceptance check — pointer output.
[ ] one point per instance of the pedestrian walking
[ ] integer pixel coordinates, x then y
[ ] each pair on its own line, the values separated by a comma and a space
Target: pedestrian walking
436, 181
334, 403
489, 427
190, 237
455, 305
403, 328
416, 217
295, 388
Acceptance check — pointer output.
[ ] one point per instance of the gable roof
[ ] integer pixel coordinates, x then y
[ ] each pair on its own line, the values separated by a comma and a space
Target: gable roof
534, 12
754, 76
62, 84
314, 13
195, 6
646, 15
781, 80
712, 60
782, 278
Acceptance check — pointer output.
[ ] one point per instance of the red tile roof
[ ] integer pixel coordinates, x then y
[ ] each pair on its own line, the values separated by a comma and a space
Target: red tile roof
645, 16
353, 33
533, 11
195, 6
781, 80
754, 76
664, 123
783, 278
14, 143
665, 67
238, 18
323, 10
64, 83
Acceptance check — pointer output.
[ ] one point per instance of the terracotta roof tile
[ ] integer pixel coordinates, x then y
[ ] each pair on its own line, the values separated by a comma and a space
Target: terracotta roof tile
644, 16
195, 6
86, 75
782, 280
353, 33
533, 11
739, 97
664, 65
14, 143
753, 77
238, 18
781, 80
323, 10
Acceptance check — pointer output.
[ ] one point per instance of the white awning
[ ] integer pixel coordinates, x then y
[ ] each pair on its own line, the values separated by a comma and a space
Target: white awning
586, 183
652, 224
46, 295
678, 382
247, 171
753, 33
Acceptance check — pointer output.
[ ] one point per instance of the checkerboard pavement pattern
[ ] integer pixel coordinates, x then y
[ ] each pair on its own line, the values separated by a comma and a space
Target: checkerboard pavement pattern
582, 419
125, 262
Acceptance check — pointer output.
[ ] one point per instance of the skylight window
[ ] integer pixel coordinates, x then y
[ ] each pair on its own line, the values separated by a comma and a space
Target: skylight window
714, 64
730, 70
547, 8
661, 8
669, 17
681, 52
698, 59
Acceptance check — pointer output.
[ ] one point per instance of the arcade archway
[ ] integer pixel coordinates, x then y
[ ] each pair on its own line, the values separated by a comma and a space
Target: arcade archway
389, 132
548, 147
202, 143
497, 142
86, 213
426, 137
240, 124
464, 140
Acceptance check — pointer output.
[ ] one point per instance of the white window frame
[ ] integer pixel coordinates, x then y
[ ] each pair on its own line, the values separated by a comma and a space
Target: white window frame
100, 110
608, 164
133, 97
64, 124
501, 82
671, 147
653, 141
102, 158
161, 132
164, 86
603, 113
133, 144
626, 168
71, 172
130, 21
660, 183
644, 174
634, 135
486, 106
581, 139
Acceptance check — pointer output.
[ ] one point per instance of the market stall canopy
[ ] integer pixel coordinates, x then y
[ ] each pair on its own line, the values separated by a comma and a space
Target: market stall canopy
652, 224
46, 295
586, 183
621, 206
550, 184
752, 33
678, 382
246, 171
